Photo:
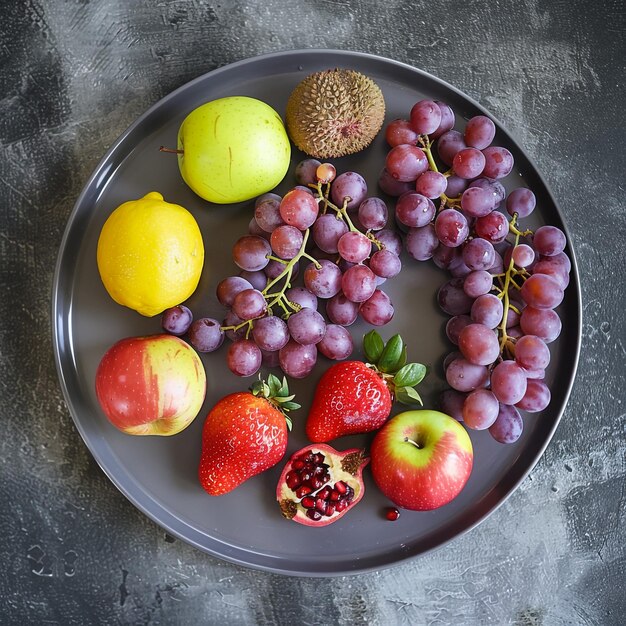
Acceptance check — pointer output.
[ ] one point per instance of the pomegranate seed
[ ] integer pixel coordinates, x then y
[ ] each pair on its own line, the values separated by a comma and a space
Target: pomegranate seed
305, 476
392, 514
324, 493
318, 458
320, 505
334, 496
308, 502
341, 487
302, 491
330, 510
314, 515
315, 482
341, 505
298, 464
293, 480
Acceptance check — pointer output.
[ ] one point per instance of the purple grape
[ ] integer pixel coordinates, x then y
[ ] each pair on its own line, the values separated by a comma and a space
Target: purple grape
431, 184
495, 187
232, 320
406, 162
451, 403
452, 299
451, 228
336, 344
177, 320
302, 296
536, 398
447, 258
373, 213
447, 120
455, 186
206, 335
275, 268
469, 163
478, 283
549, 241
498, 162
342, 311
307, 327
297, 360
455, 325
521, 201
390, 240
255, 229
270, 333
522, 255
266, 196
306, 172
249, 304
286, 241
422, 242
399, 131
532, 353
479, 344
351, 186
298, 208
425, 117
244, 357
465, 376
479, 132
378, 309
480, 409
414, 210
354, 247
251, 252
451, 356
327, 231
385, 263
508, 425
449, 144
228, 288
358, 283
542, 292
508, 382
323, 280
493, 227
487, 310
267, 214
556, 271
477, 202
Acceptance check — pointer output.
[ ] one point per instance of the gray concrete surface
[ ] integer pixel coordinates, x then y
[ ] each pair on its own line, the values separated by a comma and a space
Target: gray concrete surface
73, 76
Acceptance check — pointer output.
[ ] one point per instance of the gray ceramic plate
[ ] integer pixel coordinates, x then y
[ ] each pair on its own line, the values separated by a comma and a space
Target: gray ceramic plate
158, 475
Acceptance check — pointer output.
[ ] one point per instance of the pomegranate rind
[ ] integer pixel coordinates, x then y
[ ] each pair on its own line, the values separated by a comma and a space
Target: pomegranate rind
346, 466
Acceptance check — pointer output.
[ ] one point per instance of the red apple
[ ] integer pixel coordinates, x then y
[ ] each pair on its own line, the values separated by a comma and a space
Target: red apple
151, 385
421, 459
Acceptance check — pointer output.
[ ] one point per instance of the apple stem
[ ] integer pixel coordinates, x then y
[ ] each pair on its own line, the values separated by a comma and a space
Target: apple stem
412, 442
170, 150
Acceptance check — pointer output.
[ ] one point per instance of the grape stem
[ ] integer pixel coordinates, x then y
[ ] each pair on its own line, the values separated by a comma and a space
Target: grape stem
426, 145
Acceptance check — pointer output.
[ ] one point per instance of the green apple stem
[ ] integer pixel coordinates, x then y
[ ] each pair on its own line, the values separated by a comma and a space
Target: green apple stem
409, 440
170, 150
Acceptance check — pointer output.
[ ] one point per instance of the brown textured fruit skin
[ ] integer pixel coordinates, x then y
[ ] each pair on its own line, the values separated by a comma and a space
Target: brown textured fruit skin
334, 113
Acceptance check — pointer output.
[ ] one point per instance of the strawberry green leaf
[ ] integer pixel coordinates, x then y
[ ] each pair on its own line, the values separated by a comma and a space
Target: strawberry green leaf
402, 360
407, 395
288, 422
289, 406
391, 355
284, 387
410, 375
274, 385
373, 346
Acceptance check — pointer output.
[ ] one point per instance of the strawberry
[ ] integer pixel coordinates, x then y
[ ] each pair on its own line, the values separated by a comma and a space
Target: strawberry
244, 434
355, 397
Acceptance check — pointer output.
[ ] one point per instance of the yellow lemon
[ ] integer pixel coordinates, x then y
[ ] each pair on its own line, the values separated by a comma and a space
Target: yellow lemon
150, 254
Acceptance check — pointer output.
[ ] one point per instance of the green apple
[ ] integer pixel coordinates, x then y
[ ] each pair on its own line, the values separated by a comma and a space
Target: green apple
233, 149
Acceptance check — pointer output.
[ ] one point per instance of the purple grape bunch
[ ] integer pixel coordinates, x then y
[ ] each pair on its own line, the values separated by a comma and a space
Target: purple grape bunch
327, 231
506, 282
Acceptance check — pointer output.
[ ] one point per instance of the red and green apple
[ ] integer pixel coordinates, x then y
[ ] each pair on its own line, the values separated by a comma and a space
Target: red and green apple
421, 460
151, 385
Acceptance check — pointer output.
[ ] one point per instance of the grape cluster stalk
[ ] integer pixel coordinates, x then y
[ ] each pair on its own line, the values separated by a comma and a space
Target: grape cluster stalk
506, 281
330, 231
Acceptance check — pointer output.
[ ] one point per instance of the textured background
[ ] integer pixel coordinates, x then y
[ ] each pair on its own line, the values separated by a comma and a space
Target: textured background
73, 76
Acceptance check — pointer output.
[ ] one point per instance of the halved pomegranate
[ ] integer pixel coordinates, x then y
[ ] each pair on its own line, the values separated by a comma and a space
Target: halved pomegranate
320, 484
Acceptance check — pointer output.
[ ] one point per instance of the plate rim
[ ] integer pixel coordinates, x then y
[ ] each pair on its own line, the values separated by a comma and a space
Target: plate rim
101, 171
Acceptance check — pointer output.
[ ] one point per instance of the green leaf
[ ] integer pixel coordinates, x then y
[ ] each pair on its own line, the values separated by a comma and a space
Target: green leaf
407, 395
273, 383
284, 387
391, 356
402, 360
288, 422
373, 346
289, 406
410, 375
